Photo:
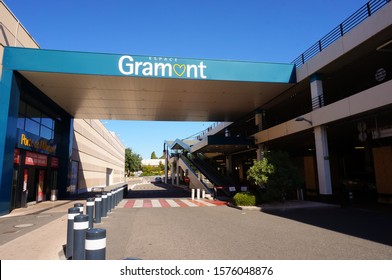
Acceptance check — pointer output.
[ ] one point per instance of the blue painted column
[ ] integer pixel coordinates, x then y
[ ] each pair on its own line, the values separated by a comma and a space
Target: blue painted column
9, 107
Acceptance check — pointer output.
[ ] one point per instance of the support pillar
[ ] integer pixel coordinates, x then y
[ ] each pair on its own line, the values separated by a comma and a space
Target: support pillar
171, 173
229, 165
177, 172
322, 157
165, 152
317, 92
321, 138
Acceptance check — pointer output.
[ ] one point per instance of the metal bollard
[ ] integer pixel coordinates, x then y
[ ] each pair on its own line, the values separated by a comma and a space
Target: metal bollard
203, 194
98, 208
90, 211
80, 206
109, 202
198, 193
113, 199
95, 244
72, 212
104, 204
193, 194
79, 237
118, 195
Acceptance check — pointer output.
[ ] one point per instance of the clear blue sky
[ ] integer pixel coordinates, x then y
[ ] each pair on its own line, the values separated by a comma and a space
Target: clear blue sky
254, 30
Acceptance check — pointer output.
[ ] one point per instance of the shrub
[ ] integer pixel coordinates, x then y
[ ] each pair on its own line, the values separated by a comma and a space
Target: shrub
244, 199
276, 176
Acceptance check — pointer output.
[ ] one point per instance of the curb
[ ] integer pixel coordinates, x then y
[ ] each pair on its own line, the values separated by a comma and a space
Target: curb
289, 205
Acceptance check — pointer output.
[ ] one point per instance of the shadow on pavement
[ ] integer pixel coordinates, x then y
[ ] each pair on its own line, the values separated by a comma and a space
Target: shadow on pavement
367, 224
158, 190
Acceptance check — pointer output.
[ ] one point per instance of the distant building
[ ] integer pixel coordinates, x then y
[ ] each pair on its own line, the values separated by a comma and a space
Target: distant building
152, 162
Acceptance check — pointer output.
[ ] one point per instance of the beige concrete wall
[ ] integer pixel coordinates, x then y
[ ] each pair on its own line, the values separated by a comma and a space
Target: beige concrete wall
12, 33
97, 150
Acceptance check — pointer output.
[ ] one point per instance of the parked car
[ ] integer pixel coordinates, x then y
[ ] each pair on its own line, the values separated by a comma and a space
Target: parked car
158, 179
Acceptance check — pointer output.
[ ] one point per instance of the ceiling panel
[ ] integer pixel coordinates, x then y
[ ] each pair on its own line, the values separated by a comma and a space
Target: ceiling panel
135, 98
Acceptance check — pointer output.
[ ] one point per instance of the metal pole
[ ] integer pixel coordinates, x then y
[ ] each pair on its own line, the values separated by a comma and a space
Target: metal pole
80, 206
95, 244
72, 212
113, 198
90, 211
109, 202
79, 237
98, 208
104, 204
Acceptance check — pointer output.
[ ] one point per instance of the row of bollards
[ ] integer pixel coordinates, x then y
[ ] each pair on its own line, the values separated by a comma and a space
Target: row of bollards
203, 194
84, 242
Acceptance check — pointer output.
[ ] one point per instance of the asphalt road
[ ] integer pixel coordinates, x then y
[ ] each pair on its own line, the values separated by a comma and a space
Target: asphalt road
206, 233
223, 232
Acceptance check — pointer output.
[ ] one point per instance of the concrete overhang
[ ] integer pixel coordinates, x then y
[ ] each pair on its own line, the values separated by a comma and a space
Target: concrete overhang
222, 145
129, 87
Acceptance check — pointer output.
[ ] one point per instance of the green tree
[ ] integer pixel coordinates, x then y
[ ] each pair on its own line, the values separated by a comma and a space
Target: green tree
276, 174
153, 155
133, 161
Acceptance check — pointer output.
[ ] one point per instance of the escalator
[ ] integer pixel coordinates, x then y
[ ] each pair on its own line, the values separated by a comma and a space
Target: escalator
196, 181
211, 173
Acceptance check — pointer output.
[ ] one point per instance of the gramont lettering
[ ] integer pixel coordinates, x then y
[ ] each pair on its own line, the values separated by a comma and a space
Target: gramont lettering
128, 66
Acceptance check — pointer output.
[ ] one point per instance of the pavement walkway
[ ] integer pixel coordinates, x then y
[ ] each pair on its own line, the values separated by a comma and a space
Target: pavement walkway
38, 232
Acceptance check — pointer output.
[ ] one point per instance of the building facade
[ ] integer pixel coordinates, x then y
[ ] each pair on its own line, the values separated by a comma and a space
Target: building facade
54, 154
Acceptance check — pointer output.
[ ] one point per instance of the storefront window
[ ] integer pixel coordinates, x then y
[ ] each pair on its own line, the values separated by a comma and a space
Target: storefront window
46, 133
32, 126
32, 120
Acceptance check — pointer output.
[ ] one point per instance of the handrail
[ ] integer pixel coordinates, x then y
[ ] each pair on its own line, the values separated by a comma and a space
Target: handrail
356, 18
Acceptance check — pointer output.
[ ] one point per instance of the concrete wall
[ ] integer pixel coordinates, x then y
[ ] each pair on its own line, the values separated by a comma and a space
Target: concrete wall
364, 101
97, 151
100, 154
12, 33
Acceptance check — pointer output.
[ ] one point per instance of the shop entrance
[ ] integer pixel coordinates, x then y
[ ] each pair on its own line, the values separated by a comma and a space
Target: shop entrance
34, 183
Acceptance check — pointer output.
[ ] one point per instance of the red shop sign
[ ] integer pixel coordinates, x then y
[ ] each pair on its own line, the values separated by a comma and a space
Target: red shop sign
16, 156
36, 159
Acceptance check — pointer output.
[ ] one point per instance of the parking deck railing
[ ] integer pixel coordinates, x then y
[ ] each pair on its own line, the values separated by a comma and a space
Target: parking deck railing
359, 16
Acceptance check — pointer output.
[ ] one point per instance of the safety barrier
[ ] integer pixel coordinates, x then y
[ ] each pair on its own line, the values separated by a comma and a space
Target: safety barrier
359, 16
84, 242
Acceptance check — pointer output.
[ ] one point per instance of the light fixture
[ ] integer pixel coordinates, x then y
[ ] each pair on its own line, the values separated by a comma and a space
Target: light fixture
300, 119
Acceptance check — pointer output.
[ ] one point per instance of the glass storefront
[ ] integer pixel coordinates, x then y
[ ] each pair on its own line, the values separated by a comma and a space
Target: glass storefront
36, 160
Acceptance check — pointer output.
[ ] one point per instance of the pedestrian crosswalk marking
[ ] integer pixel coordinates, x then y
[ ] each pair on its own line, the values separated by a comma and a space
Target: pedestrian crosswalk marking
172, 203
155, 203
138, 204
190, 204
164, 203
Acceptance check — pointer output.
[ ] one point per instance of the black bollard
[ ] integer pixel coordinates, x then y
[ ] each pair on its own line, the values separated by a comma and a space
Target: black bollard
96, 244
117, 193
98, 208
80, 206
109, 202
104, 204
72, 212
90, 211
113, 199
79, 237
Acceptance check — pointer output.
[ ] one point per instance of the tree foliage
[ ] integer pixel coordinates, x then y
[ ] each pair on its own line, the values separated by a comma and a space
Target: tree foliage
133, 161
153, 155
276, 174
